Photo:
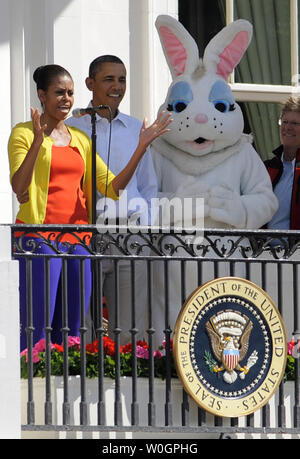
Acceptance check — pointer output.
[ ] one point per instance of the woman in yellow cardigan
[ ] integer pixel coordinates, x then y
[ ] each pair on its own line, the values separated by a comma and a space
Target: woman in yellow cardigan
50, 174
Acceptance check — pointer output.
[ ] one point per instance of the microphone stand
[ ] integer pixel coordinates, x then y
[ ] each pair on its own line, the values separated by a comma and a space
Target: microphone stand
94, 265
97, 304
94, 152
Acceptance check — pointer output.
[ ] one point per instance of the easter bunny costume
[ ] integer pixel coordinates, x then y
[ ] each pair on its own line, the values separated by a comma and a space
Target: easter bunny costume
205, 154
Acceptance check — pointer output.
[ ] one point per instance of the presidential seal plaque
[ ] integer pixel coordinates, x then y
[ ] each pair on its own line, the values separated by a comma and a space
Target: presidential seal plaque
230, 347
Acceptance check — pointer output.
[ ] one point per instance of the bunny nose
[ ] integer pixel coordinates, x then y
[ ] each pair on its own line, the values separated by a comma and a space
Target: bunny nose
200, 118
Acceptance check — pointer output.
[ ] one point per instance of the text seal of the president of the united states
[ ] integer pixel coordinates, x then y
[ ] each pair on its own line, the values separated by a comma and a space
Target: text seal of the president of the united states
230, 347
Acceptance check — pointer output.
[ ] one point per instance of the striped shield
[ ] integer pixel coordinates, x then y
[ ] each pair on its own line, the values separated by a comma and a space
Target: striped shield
230, 358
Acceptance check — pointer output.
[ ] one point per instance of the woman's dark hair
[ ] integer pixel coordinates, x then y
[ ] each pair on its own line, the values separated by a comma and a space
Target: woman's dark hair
44, 75
95, 66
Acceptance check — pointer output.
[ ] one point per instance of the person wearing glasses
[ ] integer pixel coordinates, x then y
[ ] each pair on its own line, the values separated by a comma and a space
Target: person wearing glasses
284, 168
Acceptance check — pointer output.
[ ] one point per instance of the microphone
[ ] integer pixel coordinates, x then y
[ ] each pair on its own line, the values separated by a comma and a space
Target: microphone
78, 112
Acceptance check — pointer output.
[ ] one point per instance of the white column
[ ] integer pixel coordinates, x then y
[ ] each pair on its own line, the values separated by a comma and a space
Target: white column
10, 404
5, 114
149, 74
17, 72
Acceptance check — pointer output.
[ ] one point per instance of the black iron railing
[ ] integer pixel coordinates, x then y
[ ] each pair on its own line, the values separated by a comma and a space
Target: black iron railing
269, 258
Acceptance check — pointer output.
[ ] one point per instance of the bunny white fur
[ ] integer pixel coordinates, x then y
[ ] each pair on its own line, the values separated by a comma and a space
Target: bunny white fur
206, 154
206, 146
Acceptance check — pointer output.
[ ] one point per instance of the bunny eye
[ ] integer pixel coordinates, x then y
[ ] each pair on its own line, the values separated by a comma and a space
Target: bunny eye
223, 106
179, 106
180, 97
221, 97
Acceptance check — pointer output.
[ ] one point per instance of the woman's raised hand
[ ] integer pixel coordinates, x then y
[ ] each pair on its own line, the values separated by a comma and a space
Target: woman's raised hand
23, 176
37, 128
159, 127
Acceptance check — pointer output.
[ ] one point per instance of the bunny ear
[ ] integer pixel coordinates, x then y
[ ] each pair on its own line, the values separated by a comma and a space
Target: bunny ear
226, 49
179, 47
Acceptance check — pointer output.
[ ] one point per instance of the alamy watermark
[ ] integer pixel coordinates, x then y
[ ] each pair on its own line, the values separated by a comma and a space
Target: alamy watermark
161, 215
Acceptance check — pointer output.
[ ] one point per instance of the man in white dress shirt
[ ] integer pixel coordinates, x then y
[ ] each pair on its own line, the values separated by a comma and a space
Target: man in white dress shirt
107, 82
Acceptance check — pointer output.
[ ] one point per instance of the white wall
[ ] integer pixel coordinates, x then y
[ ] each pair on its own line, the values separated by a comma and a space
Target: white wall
5, 112
125, 28
10, 404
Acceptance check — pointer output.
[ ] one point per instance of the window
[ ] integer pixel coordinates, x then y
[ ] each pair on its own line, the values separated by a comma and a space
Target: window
269, 71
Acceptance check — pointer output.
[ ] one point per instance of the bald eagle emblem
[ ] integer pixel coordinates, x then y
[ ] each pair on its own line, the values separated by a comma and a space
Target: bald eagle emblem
229, 332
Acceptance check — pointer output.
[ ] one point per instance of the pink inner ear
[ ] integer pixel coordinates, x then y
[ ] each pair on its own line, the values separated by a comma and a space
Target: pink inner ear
232, 54
174, 49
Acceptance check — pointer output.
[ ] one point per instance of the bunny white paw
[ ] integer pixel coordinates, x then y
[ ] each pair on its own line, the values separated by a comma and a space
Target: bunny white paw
226, 206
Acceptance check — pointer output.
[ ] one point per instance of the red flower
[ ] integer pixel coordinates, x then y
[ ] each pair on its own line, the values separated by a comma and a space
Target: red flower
109, 346
92, 348
127, 348
59, 347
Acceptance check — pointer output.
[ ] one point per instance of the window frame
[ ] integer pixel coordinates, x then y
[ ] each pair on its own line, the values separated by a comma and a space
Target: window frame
245, 92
